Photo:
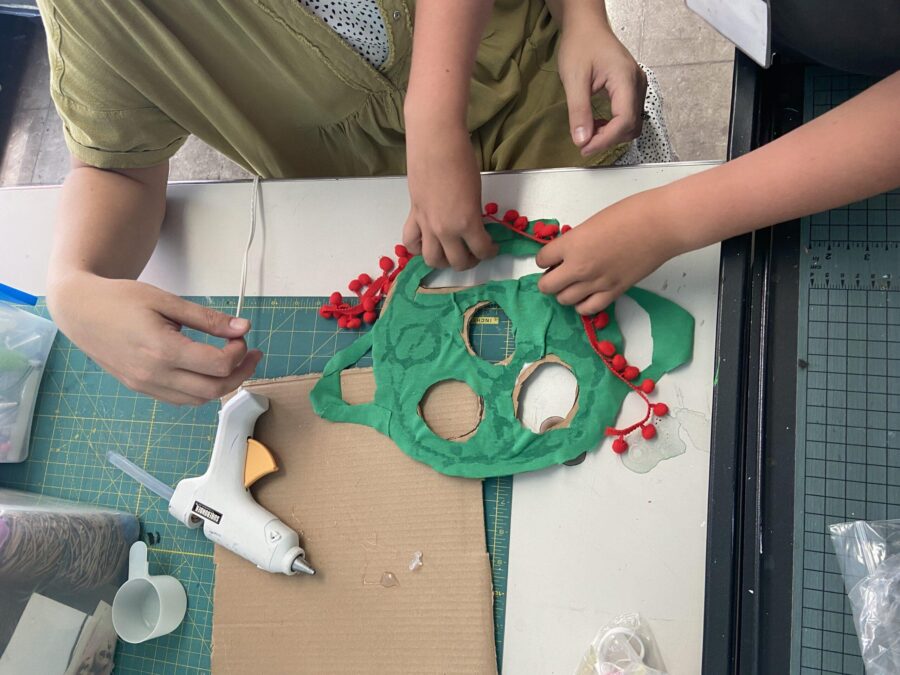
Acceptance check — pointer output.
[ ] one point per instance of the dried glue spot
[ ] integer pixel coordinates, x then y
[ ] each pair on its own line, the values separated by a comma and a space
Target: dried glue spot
451, 410
388, 580
644, 454
416, 561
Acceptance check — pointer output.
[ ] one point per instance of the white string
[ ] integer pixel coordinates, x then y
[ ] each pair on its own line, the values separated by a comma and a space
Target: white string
253, 209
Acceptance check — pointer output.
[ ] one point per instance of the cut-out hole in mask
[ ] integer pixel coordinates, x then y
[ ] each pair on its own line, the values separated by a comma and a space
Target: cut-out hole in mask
456, 422
501, 268
547, 395
489, 334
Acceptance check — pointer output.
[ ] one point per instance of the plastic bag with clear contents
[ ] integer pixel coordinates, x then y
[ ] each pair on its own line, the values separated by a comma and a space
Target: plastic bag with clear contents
624, 646
868, 554
25, 341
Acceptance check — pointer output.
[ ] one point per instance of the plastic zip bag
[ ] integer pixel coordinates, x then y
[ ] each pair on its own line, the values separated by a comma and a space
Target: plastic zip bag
624, 646
25, 341
869, 557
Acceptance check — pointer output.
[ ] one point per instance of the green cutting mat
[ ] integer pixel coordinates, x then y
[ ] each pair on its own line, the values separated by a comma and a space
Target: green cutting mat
82, 413
848, 397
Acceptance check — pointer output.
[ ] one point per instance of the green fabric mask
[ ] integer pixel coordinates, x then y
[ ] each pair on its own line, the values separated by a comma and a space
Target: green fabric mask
419, 342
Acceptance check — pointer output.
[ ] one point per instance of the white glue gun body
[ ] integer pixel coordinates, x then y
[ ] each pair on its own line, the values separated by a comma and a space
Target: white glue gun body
221, 502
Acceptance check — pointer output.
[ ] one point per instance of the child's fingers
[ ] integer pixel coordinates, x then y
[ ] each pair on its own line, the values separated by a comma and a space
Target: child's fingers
432, 251
480, 243
576, 293
551, 254
596, 302
458, 255
557, 279
412, 235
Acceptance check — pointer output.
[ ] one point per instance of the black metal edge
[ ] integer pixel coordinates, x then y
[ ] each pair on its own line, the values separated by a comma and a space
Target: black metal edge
723, 521
768, 562
764, 560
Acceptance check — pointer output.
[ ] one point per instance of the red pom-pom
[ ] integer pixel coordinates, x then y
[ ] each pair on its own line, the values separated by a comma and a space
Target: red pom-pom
648, 385
565, 228
648, 431
401, 251
386, 264
607, 348
354, 286
520, 223
342, 321
354, 323
660, 409
369, 317
491, 208
631, 373
368, 304
336, 298
365, 279
324, 312
402, 262
551, 230
601, 321
619, 363
620, 445
510, 215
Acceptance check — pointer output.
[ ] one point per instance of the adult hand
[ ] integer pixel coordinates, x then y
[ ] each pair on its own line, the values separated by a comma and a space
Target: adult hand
444, 222
591, 59
133, 330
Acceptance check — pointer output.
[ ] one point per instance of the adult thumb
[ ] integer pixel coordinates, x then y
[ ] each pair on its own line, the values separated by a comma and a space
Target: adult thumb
204, 319
581, 115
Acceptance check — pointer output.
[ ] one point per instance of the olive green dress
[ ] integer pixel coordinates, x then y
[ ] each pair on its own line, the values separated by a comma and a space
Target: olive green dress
275, 89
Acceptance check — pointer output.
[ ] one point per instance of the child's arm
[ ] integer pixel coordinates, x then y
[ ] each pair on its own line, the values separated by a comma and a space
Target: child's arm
591, 58
847, 154
444, 223
107, 229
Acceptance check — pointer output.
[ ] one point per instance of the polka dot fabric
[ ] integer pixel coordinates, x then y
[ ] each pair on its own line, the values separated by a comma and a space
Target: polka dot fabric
358, 22
653, 145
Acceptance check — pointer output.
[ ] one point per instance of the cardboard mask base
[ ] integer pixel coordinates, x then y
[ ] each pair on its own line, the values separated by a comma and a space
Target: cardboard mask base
363, 509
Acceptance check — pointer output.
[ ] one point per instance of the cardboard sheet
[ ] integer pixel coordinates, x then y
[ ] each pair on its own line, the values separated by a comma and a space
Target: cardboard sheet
363, 509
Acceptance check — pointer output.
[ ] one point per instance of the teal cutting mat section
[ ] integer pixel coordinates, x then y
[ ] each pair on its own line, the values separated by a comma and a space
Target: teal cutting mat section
82, 413
848, 397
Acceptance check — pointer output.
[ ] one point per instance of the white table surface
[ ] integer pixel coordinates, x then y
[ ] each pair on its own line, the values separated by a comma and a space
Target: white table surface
588, 542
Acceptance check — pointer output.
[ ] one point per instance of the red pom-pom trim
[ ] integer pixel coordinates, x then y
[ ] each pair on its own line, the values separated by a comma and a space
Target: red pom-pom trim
607, 348
354, 286
601, 321
648, 431
620, 445
631, 373
491, 208
660, 409
386, 264
647, 386
510, 216
369, 317
336, 298
619, 363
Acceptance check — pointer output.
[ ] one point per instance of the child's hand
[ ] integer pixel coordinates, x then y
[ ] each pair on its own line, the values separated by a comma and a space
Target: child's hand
591, 58
133, 330
444, 222
594, 263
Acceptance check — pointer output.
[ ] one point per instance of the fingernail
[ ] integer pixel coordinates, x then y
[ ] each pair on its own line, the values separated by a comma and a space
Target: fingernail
239, 324
581, 135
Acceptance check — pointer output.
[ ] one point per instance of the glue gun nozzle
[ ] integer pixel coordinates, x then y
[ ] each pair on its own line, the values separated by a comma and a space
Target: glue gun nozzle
300, 565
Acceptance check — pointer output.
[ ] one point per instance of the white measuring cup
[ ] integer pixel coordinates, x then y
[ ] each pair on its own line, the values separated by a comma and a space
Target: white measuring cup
146, 606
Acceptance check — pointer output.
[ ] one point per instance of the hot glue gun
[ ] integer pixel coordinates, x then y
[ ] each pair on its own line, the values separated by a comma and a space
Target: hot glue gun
220, 499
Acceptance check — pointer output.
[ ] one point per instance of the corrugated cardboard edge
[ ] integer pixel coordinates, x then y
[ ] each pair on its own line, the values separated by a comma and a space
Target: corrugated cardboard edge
363, 508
